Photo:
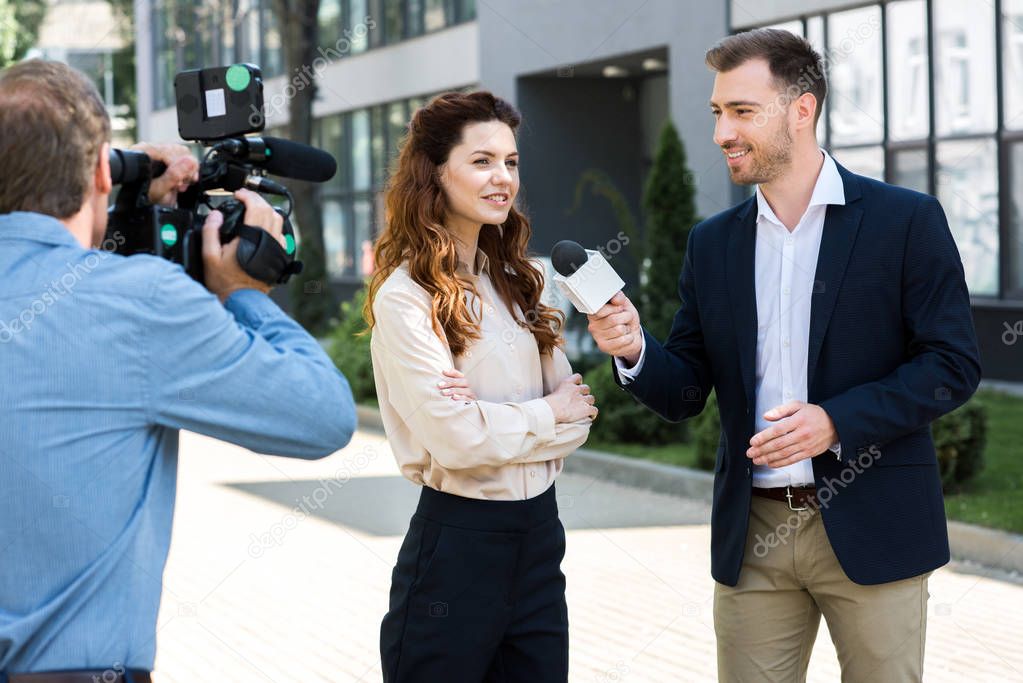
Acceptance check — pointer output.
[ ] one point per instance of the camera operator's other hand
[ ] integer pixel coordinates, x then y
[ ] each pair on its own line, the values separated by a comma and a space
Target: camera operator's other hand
182, 171
220, 261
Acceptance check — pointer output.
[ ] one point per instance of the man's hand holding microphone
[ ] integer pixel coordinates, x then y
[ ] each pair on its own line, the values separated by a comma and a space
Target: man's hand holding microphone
616, 329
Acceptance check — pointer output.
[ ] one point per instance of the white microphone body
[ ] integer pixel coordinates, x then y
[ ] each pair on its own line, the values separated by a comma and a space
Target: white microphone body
592, 285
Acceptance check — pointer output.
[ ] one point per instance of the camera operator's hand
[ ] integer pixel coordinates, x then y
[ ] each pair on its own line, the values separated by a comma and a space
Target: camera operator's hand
220, 261
182, 171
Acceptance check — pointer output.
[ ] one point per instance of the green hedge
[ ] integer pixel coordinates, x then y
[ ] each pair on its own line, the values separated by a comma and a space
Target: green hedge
706, 431
350, 353
960, 438
622, 419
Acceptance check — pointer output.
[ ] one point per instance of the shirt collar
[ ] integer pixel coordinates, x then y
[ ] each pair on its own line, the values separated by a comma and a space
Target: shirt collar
481, 260
828, 189
36, 227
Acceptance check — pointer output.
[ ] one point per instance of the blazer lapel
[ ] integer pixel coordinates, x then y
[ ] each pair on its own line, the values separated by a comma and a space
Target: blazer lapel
841, 225
742, 293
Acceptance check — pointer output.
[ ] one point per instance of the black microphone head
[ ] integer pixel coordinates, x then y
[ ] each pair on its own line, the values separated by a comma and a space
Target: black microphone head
568, 256
295, 160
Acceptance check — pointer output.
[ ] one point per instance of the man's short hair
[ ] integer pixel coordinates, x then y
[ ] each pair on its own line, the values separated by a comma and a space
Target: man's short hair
52, 125
797, 68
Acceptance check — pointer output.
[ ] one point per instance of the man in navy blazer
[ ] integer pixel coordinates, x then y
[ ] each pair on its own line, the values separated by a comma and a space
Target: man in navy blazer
830, 314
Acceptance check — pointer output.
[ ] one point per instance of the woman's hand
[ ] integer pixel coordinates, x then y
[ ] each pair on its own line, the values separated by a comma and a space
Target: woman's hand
457, 387
572, 401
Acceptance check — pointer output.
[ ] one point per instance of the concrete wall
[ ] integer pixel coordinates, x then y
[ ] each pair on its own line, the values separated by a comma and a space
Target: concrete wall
534, 36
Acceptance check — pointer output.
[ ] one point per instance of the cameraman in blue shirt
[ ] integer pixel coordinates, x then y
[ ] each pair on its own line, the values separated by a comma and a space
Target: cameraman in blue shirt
102, 360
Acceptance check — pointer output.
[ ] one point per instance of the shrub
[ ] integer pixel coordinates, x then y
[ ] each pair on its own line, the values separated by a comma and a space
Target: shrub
622, 419
669, 200
706, 433
959, 439
350, 353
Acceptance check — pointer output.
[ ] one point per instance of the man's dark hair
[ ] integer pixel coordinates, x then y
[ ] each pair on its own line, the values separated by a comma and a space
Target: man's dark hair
52, 125
797, 68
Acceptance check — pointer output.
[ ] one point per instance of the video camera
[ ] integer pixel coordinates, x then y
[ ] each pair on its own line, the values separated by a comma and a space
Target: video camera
216, 107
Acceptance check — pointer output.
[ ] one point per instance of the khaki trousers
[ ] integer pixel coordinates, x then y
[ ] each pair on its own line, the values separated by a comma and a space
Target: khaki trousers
766, 625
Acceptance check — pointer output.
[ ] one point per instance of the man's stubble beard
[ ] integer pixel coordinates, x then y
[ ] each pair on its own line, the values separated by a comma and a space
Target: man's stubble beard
769, 161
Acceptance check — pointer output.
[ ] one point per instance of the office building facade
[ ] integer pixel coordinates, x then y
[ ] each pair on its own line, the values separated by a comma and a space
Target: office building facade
924, 93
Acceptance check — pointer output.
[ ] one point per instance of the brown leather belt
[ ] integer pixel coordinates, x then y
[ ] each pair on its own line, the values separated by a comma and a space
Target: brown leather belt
798, 497
108, 676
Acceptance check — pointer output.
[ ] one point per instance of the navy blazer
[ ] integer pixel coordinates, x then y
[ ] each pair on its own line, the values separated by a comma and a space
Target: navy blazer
891, 348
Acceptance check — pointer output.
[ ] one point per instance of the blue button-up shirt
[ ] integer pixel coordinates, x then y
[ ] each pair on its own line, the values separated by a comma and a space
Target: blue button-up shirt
102, 360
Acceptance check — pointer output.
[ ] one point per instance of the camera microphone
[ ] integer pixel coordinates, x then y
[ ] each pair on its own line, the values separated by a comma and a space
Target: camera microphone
283, 157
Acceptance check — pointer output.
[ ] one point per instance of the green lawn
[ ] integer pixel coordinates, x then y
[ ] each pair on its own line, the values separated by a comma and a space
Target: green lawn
993, 499
681, 454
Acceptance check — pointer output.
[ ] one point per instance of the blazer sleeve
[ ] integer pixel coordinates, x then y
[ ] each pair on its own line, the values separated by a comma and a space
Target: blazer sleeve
943, 366
672, 371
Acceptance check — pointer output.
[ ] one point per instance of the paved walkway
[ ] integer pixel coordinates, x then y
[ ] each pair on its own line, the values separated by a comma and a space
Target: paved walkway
279, 571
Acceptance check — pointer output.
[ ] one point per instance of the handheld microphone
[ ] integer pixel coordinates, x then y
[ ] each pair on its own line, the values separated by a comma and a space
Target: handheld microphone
584, 276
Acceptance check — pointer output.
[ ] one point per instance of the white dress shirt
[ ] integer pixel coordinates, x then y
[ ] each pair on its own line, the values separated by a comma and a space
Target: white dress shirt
785, 265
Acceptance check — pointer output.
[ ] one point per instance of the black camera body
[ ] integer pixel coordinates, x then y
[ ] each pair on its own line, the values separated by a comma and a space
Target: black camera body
216, 107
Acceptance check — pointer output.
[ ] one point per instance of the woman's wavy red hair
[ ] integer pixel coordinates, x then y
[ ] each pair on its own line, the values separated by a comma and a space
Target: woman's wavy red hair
415, 232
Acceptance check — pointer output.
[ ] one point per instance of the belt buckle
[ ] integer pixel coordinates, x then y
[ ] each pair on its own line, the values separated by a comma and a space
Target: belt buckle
788, 497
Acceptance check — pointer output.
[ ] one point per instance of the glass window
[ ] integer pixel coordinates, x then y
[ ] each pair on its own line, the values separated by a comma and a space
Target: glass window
433, 16
248, 31
363, 234
964, 66
815, 34
330, 21
360, 150
379, 145
272, 61
397, 120
967, 184
414, 17
854, 41
868, 161
1015, 246
332, 140
335, 242
394, 21
466, 10
908, 86
358, 13
910, 169
790, 26
1012, 62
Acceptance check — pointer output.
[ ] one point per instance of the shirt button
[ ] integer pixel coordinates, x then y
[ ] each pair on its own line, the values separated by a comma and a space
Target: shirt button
787, 290
749, 470
788, 394
532, 474
785, 343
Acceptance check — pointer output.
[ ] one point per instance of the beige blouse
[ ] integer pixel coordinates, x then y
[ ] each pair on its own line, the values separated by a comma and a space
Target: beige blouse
503, 446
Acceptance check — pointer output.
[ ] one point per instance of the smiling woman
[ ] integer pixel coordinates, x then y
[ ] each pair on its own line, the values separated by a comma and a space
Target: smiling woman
455, 288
